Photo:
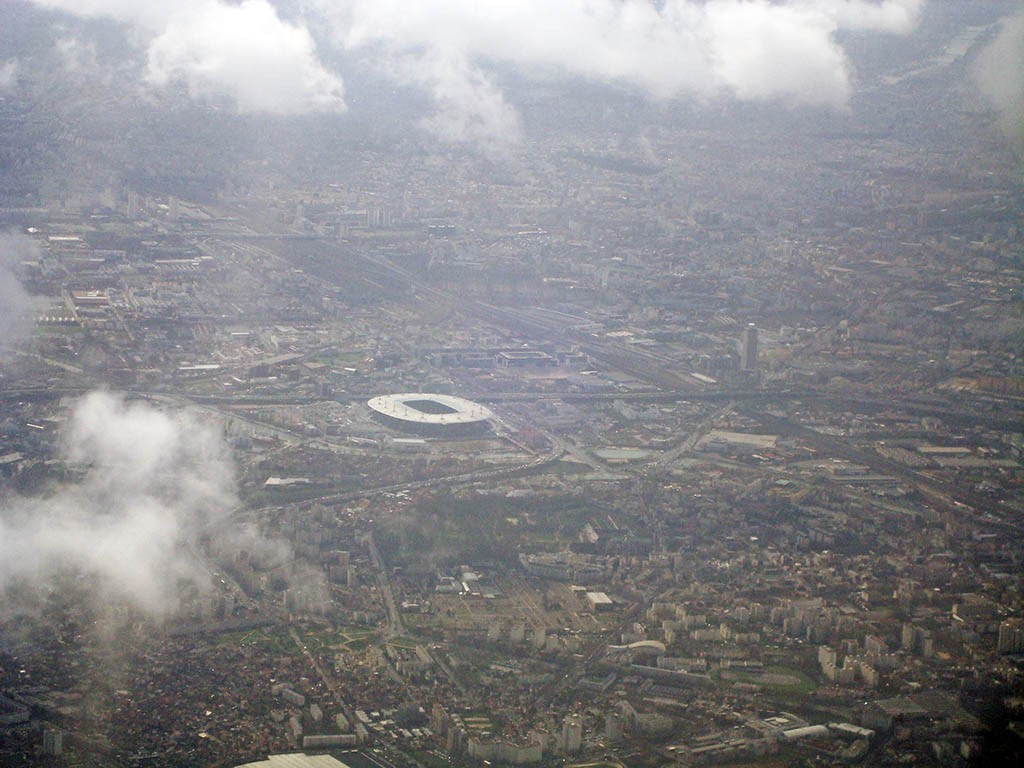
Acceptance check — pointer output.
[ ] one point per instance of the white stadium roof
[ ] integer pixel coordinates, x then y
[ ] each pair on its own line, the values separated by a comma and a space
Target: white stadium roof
457, 410
297, 760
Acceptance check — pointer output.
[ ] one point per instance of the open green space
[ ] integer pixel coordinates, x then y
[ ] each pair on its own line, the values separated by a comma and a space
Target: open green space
775, 678
351, 638
403, 642
270, 639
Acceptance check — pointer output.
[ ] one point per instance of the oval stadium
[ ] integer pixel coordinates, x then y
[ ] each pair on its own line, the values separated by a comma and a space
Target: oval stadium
430, 414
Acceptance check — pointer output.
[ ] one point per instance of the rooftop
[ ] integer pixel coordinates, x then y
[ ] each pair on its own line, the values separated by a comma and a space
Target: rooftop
439, 410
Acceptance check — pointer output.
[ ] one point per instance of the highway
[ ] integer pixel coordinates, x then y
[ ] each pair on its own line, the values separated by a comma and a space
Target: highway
396, 627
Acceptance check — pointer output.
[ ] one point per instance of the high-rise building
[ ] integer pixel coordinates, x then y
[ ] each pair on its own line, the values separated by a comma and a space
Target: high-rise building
1011, 636
908, 637
748, 348
53, 742
572, 734
134, 205
614, 727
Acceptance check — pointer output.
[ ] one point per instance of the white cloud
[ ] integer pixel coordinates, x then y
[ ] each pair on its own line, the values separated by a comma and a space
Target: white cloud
243, 52
78, 57
469, 107
748, 49
745, 49
247, 52
999, 73
760, 51
152, 481
894, 16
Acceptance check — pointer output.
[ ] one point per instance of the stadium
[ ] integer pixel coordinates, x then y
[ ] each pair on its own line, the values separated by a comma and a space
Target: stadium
431, 415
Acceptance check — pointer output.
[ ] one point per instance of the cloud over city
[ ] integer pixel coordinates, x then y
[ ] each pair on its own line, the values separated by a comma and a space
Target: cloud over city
149, 482
999, 73
453, 50
244, 53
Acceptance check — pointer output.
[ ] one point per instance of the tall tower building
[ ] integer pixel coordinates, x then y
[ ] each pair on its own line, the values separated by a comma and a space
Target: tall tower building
748, 348
1011, 636
53, 742
134, 204
572, 734
614, 727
